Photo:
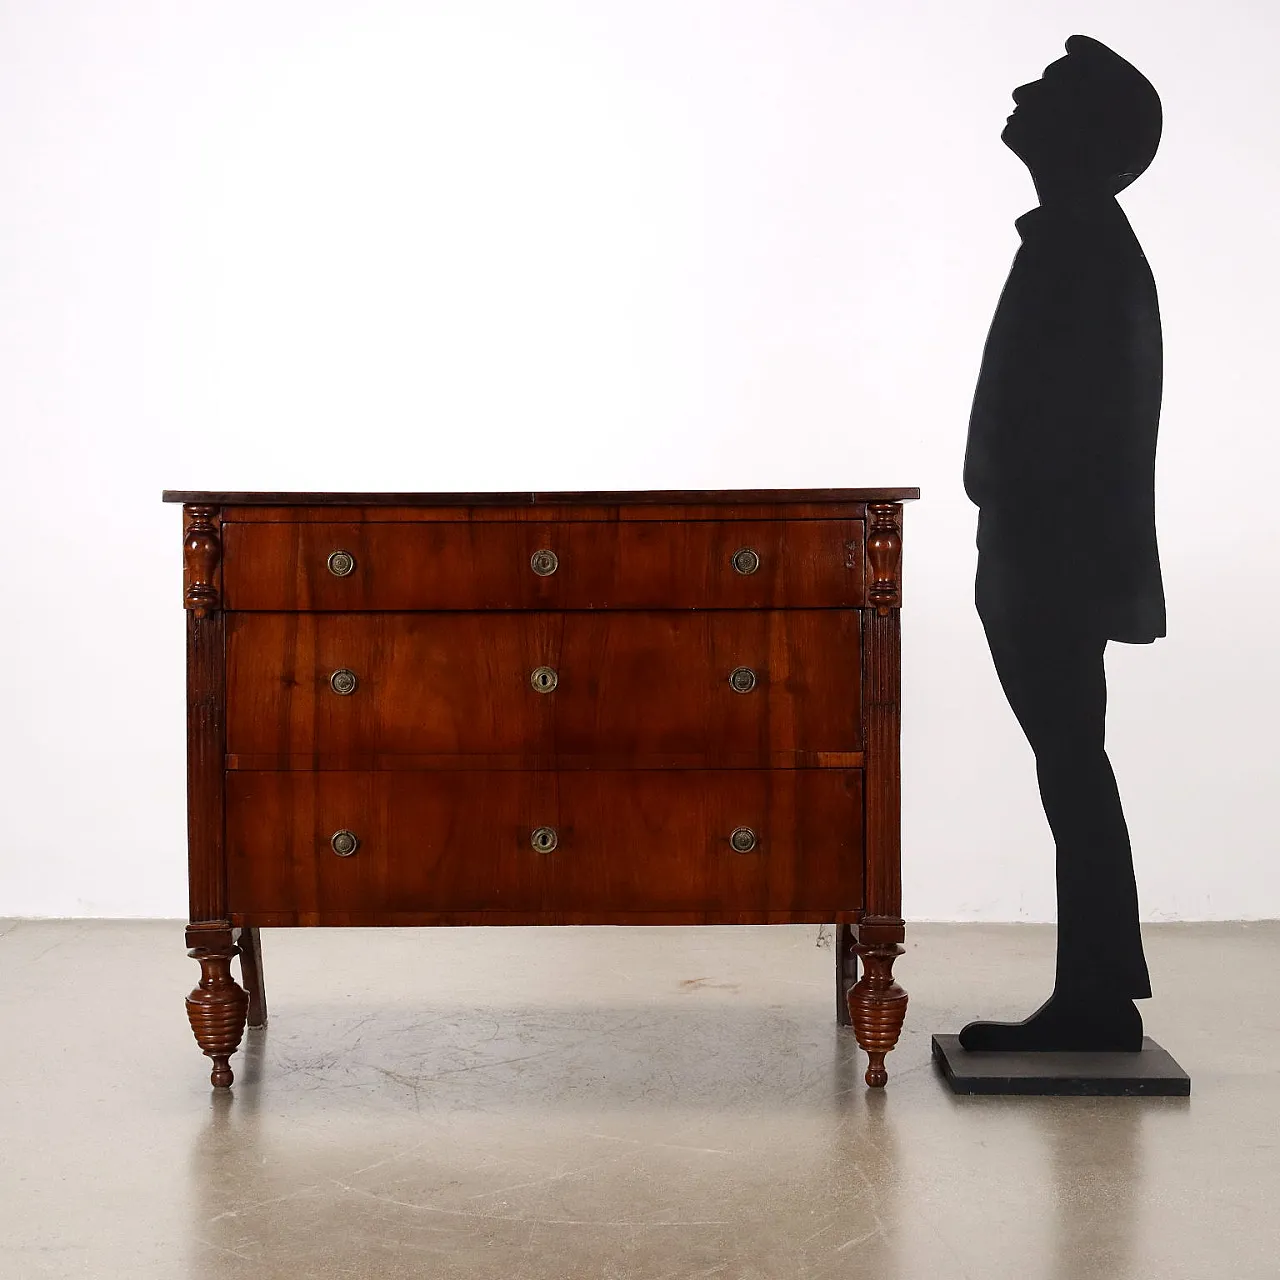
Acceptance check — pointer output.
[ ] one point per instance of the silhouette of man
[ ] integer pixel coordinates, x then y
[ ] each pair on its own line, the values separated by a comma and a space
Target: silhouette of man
1061, 463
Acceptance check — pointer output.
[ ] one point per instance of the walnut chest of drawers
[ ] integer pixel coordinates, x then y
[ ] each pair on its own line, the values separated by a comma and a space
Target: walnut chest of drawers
560, 708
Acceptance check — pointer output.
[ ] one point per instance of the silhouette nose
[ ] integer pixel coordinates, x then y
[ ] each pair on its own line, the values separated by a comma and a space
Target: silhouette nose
1020, 94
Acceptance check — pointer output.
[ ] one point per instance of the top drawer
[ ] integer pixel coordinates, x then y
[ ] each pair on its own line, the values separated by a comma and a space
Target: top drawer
702, 564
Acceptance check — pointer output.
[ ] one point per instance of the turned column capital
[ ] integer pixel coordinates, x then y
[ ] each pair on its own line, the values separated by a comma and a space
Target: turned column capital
884, 552
201, 559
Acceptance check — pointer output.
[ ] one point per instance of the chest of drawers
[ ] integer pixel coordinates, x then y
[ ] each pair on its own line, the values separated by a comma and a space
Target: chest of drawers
563, 708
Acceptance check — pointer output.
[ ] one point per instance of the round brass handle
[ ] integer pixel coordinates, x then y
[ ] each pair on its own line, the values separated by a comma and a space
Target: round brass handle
544, 563
544, 679
743, 839
341, 563
344, 843
343, 681
745, 560
742, 679
544, 839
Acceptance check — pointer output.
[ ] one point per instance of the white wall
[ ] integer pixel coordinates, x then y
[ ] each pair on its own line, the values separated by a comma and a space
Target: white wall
322, 244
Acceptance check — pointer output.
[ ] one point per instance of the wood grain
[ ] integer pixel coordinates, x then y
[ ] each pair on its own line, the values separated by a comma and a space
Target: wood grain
549, 761
335, 919
637, 685
465, 566
634, 841
568, 513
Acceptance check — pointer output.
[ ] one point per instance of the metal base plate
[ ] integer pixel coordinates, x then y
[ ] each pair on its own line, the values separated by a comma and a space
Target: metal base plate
1149, 1073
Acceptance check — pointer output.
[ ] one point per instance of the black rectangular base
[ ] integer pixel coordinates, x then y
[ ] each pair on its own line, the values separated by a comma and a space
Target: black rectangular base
1150, 1073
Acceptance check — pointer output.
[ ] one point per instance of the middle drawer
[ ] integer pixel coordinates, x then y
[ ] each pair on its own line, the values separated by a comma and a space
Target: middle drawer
526, 690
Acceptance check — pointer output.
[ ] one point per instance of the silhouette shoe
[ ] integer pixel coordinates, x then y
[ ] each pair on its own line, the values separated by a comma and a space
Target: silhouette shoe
1064, 1024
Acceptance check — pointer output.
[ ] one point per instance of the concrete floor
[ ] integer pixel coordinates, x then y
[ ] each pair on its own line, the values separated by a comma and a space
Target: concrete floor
607, 1103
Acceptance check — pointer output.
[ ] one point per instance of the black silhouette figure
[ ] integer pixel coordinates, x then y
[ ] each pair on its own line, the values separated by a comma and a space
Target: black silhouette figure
1061, 463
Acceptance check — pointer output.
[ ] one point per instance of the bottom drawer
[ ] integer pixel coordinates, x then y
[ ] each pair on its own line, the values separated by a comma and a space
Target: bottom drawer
625, 842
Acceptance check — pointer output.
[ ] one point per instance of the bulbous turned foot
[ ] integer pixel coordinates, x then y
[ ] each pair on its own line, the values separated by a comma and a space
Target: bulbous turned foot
218, 1006
877, 1009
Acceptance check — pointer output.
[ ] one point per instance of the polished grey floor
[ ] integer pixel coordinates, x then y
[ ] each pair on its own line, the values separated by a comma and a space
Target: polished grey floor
608, 1103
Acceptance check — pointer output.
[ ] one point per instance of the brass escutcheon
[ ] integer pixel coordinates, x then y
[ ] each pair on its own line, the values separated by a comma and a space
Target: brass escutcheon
742, 679
544, 563
341, 563
344, 843
544, 839
743, 839
544, 679
343, 681
745, 560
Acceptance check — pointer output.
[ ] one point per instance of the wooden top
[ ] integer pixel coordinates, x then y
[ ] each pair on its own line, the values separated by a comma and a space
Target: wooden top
669, 497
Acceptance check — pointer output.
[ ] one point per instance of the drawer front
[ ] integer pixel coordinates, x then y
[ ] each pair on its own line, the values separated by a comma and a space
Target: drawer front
655, 689
625, 842
596, 565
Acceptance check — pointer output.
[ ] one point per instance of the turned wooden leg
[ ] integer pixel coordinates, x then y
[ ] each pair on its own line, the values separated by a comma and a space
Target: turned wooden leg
250, 945
217, 1007
877, 1006
846, 948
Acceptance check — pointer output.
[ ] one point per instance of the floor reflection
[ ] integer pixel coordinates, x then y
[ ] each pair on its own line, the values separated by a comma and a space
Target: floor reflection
1093, 1190
551, 1142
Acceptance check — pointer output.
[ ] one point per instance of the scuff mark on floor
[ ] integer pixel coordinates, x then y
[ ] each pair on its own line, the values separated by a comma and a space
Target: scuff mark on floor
545, 1222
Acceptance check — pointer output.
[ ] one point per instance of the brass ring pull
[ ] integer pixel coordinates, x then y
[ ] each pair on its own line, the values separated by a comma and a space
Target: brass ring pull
742, 679
544, 679
544, 839
343, 682
341, 563
745, 561
743, 839
544, 563
344, 843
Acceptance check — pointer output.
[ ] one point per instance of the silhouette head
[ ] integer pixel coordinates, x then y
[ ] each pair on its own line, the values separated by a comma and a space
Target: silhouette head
1089, 125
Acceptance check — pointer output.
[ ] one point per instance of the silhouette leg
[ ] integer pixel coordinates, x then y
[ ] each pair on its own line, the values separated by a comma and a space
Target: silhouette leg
1099, 937
1052, 673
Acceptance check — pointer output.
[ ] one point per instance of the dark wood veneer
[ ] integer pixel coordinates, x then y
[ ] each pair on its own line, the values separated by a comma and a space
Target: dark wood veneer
647, 837
721, 757
649, 684
616, 497
513, 919
601, 565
